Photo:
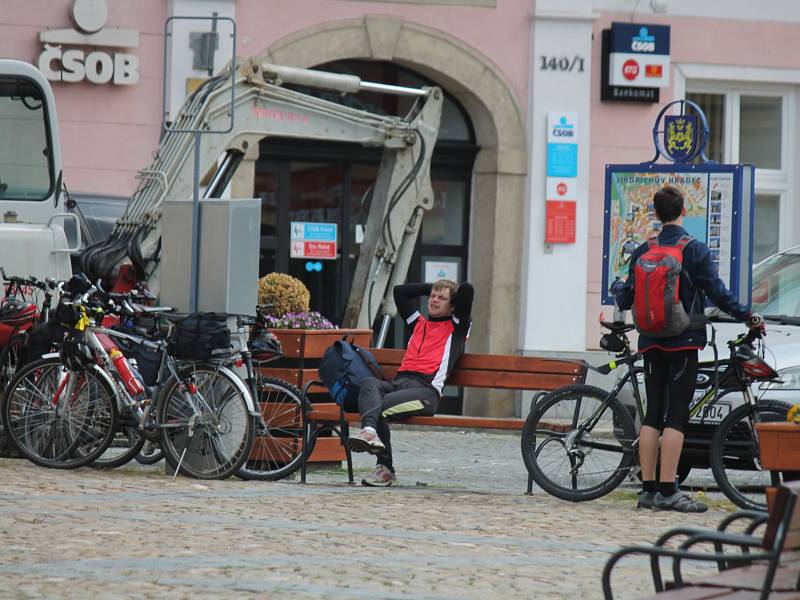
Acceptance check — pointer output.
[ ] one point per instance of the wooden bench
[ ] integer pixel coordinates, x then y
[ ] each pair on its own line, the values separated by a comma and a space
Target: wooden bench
767, 567
472, 370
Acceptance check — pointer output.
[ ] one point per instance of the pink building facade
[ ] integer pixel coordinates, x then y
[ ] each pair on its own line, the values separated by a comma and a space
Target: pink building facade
493, 60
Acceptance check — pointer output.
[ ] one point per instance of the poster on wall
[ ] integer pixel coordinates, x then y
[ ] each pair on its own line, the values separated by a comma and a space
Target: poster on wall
719, 212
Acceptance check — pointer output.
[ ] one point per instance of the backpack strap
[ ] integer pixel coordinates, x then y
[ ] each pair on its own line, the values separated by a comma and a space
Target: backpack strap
684, 241
652, 242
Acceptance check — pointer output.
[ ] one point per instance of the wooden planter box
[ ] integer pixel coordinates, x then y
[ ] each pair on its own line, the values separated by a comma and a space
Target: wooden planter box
303, 349
779, 445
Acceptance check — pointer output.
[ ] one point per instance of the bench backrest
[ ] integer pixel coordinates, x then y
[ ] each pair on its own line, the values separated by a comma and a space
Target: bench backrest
472, 370
498, 371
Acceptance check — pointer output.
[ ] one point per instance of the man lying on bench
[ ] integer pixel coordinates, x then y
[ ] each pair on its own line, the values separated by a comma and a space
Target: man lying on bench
435, 345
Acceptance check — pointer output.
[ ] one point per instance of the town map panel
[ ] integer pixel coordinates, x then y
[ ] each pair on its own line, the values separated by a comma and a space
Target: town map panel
630, 218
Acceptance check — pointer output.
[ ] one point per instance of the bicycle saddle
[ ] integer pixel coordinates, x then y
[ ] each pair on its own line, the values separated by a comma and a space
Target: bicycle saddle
617, 327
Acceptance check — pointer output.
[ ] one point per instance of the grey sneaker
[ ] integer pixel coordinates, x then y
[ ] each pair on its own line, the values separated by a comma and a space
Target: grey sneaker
645, 499
678, 502
382, 476
366, 440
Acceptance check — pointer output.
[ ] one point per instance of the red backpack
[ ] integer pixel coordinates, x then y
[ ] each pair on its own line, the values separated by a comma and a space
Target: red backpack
657, 308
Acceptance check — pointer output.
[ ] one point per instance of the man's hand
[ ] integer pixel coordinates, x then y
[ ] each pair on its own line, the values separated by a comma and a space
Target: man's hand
755, 323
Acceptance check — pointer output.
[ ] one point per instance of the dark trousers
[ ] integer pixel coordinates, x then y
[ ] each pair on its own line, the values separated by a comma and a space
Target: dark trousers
669, 378
379, 401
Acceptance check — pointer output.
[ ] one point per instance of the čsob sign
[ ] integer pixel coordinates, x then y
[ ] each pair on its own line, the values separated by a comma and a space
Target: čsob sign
75, 64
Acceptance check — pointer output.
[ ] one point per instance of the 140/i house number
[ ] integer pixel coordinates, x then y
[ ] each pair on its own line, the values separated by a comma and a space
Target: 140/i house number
561, 63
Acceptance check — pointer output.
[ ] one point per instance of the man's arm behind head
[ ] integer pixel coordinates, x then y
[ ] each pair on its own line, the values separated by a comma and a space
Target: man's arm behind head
463, 301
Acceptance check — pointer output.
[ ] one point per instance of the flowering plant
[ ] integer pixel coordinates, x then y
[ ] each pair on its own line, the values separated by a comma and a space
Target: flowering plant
301, 320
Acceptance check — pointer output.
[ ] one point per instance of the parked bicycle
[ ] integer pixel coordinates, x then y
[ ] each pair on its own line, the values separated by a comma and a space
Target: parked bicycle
580, 442
62, 411
278, 448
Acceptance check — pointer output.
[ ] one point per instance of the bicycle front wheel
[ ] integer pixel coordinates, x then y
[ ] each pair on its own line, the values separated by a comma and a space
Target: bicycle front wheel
208, 433
58, 417
735, 459
125, 446
278, 448
577, 445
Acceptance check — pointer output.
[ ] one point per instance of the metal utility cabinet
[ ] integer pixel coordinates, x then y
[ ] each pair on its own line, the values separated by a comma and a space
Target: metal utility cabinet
228, 249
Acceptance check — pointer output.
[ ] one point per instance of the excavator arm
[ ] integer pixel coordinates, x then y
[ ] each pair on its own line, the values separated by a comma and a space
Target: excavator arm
264, 108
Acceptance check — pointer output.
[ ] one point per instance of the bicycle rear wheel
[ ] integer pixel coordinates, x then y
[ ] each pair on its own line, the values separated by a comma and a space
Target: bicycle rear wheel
278, 448
735, 459
214, 440
58, 417
577, 445
10, 357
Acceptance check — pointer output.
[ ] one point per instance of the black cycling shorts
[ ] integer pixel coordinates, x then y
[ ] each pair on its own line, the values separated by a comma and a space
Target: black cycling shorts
670, 379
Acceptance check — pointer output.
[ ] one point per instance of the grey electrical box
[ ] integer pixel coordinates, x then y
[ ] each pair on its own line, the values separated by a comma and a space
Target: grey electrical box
229, 245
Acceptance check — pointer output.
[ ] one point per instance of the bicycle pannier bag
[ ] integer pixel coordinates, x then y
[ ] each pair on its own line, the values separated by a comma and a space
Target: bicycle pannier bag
201, 336
657, 308
342, 368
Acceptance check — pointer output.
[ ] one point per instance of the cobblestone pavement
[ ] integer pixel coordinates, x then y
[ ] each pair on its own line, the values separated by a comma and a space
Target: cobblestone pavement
457, 526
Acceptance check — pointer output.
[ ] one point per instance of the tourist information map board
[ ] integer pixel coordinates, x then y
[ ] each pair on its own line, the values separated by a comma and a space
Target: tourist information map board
719, 212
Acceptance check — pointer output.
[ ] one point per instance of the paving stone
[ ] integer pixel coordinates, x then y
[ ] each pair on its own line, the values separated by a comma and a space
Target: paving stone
457, 527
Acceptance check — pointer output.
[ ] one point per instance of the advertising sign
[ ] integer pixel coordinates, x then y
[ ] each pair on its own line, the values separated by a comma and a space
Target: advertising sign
562, 177
635, 62
441, 269
313, 240
560, 222
87, 62
639, 55
719, 212
562, 144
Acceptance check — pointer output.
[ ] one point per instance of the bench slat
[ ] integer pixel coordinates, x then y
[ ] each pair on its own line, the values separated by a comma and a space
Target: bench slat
330, 412
511, 381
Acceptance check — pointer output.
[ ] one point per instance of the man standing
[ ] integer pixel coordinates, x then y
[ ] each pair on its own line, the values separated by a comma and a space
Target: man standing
435, 345
670, 362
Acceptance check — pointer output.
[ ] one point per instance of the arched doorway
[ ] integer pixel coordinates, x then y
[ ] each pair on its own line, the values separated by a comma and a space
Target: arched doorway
500, 167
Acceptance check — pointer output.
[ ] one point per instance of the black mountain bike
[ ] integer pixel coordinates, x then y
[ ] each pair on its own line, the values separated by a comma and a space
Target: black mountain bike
580, 442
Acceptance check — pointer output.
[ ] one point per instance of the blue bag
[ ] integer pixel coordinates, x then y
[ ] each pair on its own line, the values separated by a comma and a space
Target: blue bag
342, 368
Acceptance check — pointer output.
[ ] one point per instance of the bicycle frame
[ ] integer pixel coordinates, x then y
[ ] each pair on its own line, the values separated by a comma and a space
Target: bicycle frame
142, 407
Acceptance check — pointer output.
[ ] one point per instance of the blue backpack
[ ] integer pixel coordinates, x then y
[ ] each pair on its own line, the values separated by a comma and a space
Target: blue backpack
342, 368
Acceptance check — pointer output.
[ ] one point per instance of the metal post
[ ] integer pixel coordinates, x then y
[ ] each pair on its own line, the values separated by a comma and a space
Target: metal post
194, 275
195, 262
384, 330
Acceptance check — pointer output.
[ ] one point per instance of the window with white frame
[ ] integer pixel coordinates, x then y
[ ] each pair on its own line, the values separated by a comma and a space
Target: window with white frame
749, 124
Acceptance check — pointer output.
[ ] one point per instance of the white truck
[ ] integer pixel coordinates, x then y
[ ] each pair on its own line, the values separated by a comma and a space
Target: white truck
30, 171
32, 215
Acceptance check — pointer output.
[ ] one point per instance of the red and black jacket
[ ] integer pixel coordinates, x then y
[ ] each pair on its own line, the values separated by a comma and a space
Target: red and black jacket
435, 344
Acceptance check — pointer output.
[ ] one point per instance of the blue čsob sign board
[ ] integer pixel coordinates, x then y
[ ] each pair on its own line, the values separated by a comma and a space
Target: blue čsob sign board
638, 38
313, 232
562, 144
719, 212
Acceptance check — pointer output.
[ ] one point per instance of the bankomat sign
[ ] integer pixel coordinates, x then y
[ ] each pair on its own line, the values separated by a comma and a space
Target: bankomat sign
66, 57
639, 55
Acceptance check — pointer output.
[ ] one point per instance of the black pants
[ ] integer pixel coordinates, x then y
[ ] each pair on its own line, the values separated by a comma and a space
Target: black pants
670, 379
379, 401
